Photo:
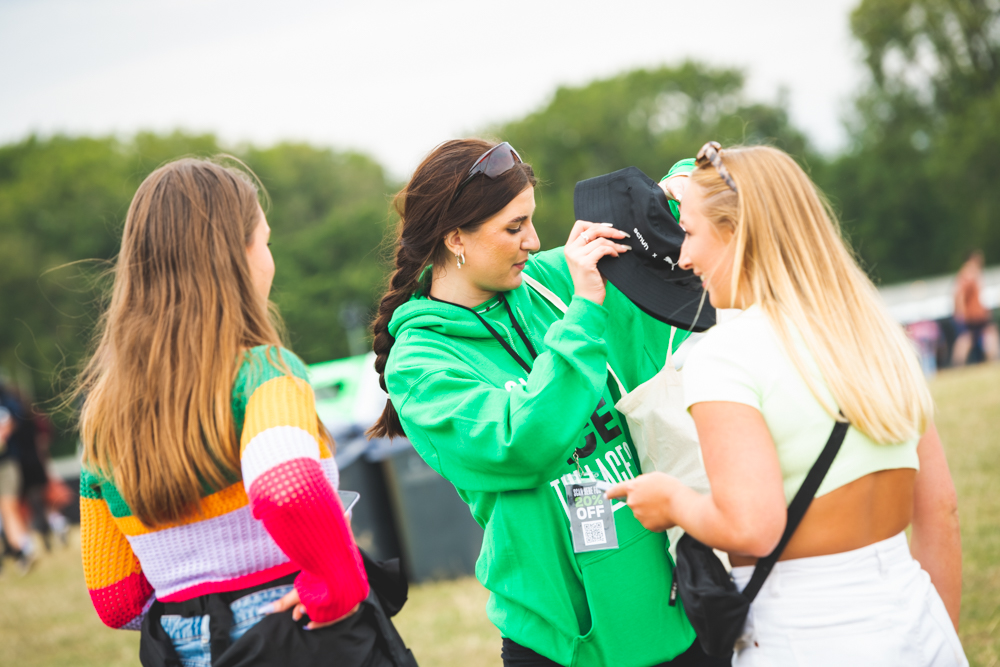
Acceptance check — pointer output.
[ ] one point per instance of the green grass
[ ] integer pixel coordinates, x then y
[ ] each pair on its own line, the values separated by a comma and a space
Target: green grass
46, 618
968, 418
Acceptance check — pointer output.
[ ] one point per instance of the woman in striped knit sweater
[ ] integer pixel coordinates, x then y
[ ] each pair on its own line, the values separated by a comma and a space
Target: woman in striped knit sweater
209, 513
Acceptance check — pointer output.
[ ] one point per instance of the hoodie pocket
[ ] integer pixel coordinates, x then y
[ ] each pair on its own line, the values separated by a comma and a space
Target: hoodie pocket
633, 623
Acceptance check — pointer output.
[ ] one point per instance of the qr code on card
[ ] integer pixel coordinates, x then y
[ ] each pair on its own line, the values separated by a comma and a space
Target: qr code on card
593, 533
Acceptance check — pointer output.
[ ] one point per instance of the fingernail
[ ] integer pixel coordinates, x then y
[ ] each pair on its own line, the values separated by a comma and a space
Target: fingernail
608, 224
266, 609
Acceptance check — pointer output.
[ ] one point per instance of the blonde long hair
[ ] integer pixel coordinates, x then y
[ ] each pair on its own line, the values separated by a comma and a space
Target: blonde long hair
790, 259
157, 414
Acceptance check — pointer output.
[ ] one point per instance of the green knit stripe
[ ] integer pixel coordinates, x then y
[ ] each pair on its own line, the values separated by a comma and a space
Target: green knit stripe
90, 485
119, 508
96, 487
260, 364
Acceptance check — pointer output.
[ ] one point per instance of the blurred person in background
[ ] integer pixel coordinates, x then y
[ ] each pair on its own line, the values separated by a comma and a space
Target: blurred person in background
508, 397
765, 388
33, 436
56, 495
209, 512
973, 321
17, 438
6, 462
926, 335
43, 494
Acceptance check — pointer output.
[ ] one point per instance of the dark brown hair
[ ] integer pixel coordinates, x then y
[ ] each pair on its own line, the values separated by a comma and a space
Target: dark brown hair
426, 215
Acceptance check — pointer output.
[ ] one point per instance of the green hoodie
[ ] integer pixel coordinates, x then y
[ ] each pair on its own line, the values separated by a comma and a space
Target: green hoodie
505, 438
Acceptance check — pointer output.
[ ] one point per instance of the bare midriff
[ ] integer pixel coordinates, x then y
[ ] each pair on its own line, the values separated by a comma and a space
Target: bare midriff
868, 510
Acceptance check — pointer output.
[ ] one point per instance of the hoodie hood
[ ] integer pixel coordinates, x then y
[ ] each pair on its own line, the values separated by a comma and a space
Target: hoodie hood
445, 318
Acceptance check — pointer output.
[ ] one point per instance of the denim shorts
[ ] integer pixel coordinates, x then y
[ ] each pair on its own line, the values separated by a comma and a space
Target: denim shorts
191, 636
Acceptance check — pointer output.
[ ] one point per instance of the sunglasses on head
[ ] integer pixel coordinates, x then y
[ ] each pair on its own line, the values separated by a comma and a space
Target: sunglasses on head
496, 161
711, 153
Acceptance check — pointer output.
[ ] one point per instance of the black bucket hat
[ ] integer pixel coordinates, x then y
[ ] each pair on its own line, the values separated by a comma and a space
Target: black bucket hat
648, 274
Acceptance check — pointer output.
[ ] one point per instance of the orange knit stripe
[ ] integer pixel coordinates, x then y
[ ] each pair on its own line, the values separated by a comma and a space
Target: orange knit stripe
107, 556
221, 502
281, 401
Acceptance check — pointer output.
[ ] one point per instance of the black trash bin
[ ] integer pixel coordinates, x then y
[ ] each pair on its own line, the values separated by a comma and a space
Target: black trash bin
372, 517
437, 534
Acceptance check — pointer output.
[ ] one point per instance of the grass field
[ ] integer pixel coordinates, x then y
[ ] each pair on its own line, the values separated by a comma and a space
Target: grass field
46, 618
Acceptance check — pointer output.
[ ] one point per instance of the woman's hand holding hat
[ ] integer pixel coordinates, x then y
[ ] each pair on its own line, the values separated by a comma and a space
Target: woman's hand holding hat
588, 242
648, 276
675, 186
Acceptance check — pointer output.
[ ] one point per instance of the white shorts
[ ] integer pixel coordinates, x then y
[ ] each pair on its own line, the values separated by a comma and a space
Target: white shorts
870, 606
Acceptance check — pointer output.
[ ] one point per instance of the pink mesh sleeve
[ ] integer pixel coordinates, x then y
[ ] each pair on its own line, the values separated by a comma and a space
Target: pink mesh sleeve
300, 510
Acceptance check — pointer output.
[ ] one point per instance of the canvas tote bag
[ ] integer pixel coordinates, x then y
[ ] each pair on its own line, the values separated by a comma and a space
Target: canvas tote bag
663, 432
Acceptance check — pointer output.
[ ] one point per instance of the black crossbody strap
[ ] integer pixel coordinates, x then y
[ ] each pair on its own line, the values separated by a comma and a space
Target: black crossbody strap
797, 509
518, 329
500, 339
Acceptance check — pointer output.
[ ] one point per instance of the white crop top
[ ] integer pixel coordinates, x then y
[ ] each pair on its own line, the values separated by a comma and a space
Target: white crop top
744, 361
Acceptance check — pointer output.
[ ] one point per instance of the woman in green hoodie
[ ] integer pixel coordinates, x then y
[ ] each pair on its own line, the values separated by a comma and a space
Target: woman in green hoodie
509, 399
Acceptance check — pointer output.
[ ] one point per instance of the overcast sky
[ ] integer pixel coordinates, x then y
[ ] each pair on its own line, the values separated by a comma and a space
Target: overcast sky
390, 78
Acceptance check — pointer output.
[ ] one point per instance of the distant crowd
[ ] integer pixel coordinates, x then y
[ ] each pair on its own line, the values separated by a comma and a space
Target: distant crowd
30, 498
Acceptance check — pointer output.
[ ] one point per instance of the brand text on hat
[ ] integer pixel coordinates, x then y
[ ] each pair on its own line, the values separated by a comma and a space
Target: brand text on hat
641, 240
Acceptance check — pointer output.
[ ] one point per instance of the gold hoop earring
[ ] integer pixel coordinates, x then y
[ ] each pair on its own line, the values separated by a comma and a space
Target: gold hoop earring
460, 259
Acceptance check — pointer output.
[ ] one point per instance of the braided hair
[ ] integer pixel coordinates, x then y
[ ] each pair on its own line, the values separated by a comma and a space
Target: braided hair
427, 215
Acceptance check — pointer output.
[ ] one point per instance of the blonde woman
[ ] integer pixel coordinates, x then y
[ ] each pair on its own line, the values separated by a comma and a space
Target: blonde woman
208, 491
764, 390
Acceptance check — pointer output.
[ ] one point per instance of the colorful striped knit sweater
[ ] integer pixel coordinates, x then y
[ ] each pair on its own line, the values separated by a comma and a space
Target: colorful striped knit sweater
282, 517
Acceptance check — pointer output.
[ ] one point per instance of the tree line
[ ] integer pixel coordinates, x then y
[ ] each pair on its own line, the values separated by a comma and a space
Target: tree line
915, 187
